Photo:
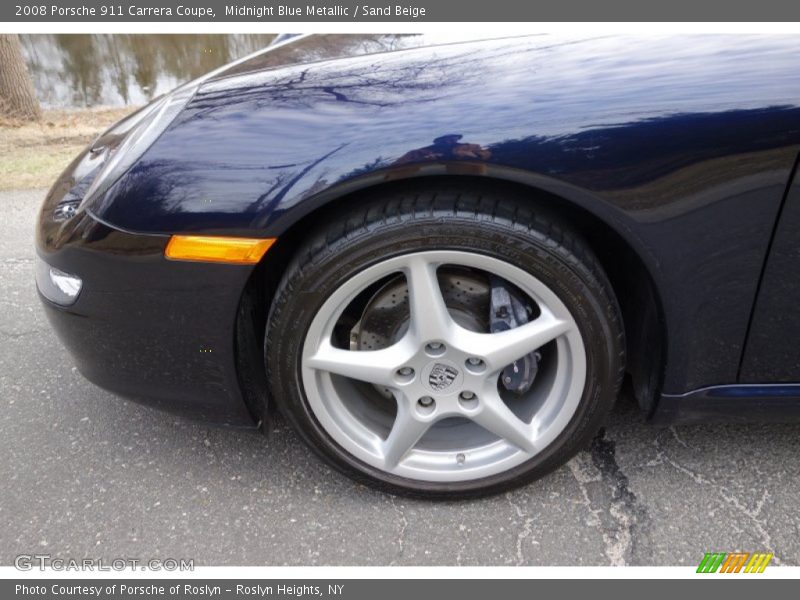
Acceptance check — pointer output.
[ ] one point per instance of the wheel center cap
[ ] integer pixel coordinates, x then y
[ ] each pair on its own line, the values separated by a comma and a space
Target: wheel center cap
442, 376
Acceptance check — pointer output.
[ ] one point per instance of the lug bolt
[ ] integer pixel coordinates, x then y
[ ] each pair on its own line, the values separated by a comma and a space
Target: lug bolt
475, 365
435, 348
425, 401
404, 375
468, 400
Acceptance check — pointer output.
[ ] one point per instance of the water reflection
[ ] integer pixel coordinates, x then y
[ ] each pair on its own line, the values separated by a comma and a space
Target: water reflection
116, 70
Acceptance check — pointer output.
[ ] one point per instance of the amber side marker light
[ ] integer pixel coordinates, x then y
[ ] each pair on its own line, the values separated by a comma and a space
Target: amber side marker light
210, 248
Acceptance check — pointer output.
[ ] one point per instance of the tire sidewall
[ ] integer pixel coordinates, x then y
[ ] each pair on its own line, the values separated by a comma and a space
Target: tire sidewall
582, 291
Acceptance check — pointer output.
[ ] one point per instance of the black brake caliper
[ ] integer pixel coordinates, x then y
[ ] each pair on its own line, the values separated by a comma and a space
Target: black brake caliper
507, 311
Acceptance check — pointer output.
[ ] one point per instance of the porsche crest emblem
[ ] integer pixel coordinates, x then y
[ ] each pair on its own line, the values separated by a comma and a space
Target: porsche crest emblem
441, 376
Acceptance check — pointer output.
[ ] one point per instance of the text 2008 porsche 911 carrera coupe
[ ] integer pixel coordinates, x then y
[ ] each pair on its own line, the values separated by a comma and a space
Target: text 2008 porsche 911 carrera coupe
440, 262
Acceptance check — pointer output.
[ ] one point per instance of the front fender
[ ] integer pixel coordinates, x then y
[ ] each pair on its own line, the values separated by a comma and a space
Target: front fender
683, 145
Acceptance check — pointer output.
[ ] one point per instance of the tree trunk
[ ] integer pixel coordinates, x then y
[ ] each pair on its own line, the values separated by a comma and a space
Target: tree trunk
17, 96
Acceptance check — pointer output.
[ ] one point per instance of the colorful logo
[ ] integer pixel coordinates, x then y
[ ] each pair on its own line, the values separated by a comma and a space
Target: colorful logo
735, 562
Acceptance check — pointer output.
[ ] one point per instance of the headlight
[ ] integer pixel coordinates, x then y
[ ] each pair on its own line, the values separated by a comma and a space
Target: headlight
56, 285
145, 130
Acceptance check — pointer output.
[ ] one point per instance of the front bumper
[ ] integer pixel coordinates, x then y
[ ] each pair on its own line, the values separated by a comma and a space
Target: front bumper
156, 331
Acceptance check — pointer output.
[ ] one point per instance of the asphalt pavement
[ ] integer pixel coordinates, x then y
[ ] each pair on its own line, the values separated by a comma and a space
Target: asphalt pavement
86, 474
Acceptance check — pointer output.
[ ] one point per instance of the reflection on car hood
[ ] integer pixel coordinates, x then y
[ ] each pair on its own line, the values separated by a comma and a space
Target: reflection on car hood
313, 48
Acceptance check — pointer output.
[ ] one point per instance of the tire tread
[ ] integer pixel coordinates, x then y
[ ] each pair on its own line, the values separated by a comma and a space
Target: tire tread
477, 207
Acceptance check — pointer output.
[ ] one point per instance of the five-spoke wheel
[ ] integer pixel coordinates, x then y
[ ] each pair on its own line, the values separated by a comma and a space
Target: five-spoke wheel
439, 370
430, 344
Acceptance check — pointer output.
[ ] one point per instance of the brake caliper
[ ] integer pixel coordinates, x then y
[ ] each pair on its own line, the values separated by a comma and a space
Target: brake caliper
507, 311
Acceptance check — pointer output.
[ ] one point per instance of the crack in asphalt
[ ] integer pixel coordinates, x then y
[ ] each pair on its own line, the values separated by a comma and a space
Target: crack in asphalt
464, 540
525, 532
18, 259
723, 492
680, 440
19, 334
401, 529
598, 474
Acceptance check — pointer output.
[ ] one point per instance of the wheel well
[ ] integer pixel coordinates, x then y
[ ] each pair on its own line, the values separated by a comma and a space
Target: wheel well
635, 290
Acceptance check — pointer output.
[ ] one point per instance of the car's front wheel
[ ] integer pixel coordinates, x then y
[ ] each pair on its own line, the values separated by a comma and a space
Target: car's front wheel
445, 343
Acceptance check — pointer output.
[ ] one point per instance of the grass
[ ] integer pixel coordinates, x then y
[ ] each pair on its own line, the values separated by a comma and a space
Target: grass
32, 155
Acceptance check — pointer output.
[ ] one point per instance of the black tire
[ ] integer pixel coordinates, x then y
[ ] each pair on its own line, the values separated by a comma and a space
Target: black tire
447, 217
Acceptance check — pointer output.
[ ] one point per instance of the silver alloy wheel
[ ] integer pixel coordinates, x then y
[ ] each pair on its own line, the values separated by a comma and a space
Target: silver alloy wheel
451, 422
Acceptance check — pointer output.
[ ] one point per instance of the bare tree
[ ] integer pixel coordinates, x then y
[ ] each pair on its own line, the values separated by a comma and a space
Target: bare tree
17, 96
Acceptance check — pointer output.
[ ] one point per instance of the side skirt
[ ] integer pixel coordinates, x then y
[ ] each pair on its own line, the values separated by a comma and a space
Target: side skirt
741, 403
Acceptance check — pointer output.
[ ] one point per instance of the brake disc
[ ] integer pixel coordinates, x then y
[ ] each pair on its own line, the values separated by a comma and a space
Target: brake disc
474, 300
466, 294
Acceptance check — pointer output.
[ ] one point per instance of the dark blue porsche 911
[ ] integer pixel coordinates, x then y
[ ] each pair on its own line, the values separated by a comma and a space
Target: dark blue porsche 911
441, 262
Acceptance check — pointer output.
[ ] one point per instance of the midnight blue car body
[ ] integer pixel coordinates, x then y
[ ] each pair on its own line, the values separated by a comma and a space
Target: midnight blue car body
674, 156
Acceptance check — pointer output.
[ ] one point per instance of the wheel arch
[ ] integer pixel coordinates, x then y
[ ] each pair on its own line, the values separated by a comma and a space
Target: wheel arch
620, 255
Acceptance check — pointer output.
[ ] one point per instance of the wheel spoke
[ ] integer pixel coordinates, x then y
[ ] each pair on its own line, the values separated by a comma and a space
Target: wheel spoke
371, 366
405, 433
503, 348
497, 418
440, 367
429, 317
